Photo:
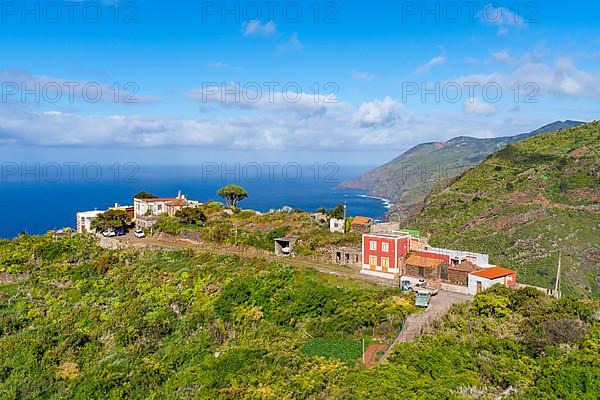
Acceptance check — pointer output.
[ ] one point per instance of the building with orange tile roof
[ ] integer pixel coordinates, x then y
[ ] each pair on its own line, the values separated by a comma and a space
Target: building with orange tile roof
146, 211
422, 266
488, 277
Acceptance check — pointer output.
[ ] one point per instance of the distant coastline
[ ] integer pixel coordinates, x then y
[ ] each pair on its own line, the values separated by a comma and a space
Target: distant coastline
386, 202
64, 200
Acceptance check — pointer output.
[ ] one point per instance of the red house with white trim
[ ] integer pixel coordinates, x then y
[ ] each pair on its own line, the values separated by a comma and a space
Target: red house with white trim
384, 253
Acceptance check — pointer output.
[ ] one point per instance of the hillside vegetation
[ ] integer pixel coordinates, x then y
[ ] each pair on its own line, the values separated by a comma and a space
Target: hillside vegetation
258, 230
408, 179
526, 203
78, 322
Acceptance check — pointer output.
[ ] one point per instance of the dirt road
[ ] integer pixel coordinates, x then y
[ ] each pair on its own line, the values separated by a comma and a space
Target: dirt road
166, 242
417, 324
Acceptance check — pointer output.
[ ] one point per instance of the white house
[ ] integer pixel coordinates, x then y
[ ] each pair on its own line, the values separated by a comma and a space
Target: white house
486, 278
84, 220
458, 256
146, 211
337, 225
165, 205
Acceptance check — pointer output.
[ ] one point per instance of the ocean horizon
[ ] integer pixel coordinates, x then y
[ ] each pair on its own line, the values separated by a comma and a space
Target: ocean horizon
42, 204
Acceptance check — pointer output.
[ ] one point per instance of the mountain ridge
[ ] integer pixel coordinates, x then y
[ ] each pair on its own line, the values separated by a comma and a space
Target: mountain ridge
525, 204
408, 179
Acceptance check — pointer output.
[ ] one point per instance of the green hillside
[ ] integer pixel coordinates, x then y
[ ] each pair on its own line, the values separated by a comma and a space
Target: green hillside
79, 322
526, 203
409, 178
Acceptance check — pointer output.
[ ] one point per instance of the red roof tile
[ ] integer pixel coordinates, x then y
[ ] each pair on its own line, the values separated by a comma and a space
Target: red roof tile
420, 261
162, 199
493, 273
466, 266
361, 220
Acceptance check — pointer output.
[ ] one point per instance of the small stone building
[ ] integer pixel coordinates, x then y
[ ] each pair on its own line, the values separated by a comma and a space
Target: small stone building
459, 274
385, 227
417, 266
318, 217
361, 224
285, 246
350, 256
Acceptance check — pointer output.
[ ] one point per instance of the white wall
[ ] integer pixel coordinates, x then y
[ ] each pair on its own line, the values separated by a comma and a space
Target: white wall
336, 225
485, 283
377, 274
142, 207
454, 288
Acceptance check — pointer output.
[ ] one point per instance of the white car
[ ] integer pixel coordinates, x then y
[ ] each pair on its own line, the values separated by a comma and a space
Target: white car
109, 233
139, 234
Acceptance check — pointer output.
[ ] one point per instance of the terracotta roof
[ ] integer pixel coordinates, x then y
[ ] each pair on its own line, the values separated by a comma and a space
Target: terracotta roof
163, 199
178, 202
493, 273
420, 261
466, 266
361, 220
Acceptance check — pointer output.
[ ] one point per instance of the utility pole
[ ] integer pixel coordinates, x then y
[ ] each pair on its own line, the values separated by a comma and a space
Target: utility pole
363, 348
557, 285
344, 227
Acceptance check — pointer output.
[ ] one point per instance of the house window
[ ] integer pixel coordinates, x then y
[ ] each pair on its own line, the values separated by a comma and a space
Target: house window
385, 262
373, 261
373, 245
385, 247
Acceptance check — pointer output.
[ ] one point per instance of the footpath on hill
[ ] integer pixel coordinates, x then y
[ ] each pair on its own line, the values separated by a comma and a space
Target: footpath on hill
168, 242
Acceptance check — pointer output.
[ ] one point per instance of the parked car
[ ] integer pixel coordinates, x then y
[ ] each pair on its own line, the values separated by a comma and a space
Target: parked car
120, 232
109, 233
422, 299
139, 234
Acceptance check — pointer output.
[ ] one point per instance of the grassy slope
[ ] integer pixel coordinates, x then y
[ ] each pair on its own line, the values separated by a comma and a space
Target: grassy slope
78, 322
524, 204
409, 178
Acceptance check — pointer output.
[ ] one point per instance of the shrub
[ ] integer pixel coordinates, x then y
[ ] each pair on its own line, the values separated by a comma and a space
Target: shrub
492, 305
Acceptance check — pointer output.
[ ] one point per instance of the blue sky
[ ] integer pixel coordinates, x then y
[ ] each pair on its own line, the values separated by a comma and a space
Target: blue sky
367, 61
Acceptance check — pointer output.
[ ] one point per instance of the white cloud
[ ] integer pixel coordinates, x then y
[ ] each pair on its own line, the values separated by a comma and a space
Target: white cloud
502, 18
221, 65
375, 125
263, 98
434, 62
502, 56
363, 76
17, 85
292, 44
478, 107
256, 28
379, 113
563, 78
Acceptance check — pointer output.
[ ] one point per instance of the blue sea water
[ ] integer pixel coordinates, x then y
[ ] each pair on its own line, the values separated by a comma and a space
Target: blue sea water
37, 205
